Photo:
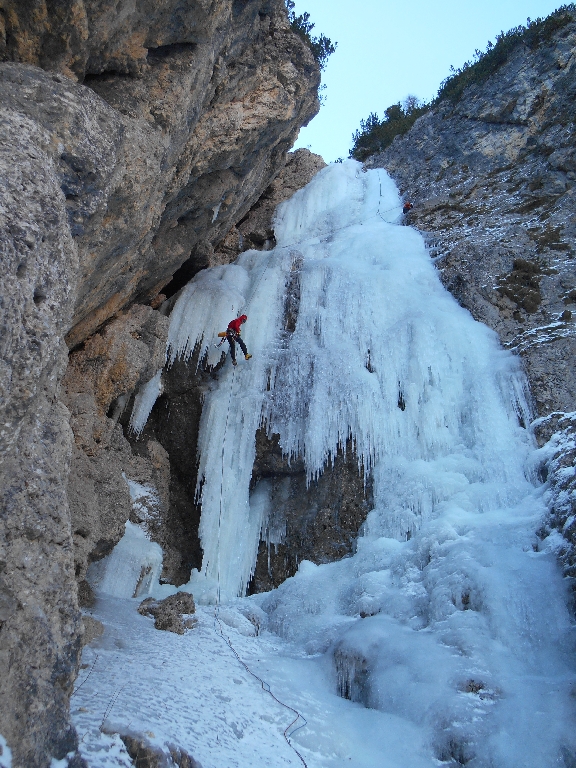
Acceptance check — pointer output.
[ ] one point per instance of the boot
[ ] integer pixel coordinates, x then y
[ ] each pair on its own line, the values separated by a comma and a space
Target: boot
247, 357
234, 362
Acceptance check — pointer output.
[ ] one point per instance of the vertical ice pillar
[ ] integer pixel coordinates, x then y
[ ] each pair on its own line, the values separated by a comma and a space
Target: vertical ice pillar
144, 402
229, 525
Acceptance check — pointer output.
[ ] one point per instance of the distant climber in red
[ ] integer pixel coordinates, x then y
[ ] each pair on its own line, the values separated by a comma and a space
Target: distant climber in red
233, 336
407, 207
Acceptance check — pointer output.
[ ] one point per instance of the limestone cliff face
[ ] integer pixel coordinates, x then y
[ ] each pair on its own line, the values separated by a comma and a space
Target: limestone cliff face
133, 137
186, 114
493, 182
141, 142
110, 365
39, 621
255, 229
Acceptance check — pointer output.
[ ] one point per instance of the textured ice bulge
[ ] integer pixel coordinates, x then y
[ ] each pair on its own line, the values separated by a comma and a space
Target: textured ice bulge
132, 569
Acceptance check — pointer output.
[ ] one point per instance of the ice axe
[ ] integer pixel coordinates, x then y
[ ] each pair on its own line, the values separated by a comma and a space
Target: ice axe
222, 340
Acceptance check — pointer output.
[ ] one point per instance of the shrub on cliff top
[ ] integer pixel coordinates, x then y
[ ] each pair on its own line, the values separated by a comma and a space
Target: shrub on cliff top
375, 135
487, 62
322, 47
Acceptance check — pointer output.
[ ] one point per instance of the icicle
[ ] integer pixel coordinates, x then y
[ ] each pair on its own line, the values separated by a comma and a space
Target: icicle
144, 402
351, 675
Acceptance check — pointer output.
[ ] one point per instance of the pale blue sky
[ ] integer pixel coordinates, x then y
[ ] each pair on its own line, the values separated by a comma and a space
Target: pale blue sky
387, 50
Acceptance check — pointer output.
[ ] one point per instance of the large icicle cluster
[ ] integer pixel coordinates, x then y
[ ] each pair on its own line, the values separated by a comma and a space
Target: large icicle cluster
379, 352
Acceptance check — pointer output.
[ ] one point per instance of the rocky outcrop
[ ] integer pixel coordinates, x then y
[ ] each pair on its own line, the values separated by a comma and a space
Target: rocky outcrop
185, 116
39, 618
317, 521
173, 424
256, 229
146, 755
557, 433
132, 139
100, 378
492, 179
493, 182
168, 613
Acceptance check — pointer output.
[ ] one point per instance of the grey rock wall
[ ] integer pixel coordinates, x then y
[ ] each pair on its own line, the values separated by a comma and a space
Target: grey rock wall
174, 424
39, 620
319, 521
170, 140
206, 128
256, 228
133, 137
99, 379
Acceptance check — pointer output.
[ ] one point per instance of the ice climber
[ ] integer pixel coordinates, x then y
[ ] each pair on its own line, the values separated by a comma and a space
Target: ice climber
233, 336
407, 207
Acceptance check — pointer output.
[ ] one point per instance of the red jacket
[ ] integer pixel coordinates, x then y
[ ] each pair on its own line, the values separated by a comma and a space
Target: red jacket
234, 325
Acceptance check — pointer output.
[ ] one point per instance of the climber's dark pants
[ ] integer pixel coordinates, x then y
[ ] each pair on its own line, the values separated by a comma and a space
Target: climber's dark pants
232, 338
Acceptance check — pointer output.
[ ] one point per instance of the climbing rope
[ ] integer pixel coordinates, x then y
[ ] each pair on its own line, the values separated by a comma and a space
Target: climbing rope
338, 229
379, 212
345, 226
289, 730
266, 688
75, 691
320, 235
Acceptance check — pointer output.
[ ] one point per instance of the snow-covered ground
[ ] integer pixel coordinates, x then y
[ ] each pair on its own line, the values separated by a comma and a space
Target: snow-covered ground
448, 628
192, 692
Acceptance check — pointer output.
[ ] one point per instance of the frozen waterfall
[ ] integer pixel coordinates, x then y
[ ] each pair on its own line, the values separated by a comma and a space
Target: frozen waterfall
379, 352
450, 618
